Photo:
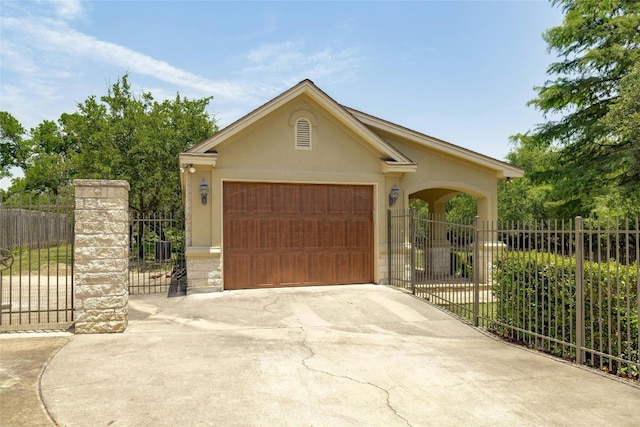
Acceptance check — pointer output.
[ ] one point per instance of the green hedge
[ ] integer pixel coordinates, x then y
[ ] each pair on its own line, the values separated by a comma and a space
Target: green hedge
535, 291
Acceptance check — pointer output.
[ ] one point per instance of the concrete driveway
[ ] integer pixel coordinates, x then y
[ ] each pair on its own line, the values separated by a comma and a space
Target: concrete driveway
324, 356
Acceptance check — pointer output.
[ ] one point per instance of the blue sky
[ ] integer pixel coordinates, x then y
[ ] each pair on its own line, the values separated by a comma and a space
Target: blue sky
461, 71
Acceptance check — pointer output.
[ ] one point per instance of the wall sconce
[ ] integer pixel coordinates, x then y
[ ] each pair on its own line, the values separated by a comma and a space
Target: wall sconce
192, 169
204, 191
393, 195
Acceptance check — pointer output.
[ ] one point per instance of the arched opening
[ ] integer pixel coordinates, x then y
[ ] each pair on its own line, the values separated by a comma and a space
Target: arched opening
459, 203
444, 231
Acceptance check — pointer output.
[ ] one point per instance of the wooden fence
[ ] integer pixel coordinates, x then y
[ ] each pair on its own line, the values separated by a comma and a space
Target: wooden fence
43, 223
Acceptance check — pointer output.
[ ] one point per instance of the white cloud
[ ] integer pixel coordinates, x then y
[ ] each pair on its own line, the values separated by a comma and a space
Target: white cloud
57, 36
271, 51
46, 63
295, 60
68, 9
18, 57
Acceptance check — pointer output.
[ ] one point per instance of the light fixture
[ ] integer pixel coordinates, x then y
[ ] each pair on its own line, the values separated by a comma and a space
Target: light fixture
204, 191
393, 195
192, 169
181, 169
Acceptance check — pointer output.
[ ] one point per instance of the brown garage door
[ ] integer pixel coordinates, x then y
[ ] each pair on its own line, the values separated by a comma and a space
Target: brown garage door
296, 234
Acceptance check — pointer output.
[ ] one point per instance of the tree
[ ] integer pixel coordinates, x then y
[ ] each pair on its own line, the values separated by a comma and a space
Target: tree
13, 149
461, 208
47, 168
598, 45
119, 136
623, 121
532, 197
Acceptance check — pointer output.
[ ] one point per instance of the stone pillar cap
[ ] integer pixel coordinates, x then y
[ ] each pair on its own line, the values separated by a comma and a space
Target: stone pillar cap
101, 183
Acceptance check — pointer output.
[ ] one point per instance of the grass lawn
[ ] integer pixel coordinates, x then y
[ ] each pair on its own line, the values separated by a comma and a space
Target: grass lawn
487, 310
41, 260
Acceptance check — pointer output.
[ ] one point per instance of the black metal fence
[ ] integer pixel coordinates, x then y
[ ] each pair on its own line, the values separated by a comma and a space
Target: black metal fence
156, 254
569, 288
36, 263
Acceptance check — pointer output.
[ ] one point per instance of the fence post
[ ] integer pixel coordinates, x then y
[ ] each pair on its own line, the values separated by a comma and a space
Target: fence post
412, 246
579, 290
476, 271
389, 272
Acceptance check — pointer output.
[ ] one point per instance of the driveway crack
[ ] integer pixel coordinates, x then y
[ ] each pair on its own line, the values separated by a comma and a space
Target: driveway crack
346, 377
271, 303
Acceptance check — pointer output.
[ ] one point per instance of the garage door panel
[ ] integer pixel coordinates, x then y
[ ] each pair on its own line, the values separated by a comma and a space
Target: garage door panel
235, 199
240, 265
319, 268
264, 270
286, 199
260, 199
338, 231
341, 266
359, 234
317, 234
266, 234
243, 232
296, 234
292, 269
359, 262
312, 234
362, 199
314, 199
340, 199
291, 234
247, 198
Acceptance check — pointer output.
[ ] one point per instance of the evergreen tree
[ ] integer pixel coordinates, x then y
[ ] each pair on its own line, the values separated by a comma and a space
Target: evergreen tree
598, 46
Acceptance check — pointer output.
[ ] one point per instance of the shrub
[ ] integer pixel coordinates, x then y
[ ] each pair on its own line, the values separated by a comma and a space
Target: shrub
535, 296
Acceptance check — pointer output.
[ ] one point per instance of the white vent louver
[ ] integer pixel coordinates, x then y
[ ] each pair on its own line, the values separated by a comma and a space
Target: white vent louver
303, 134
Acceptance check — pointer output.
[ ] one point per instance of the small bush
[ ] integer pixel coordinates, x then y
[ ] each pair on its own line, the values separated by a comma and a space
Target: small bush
461, 264
535, 294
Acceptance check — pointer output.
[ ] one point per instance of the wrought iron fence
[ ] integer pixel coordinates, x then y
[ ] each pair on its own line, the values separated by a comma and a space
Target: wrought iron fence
36, 263
433, 259
569, 288
156, 254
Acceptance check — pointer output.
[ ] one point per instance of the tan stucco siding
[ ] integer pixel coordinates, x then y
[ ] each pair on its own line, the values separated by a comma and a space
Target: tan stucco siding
266, 153
347, 147
269, 145
438, 170
201, 215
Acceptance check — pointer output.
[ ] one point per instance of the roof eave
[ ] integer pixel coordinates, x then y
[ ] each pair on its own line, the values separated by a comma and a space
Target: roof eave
203, 159
309, 88
503, 170
389, 167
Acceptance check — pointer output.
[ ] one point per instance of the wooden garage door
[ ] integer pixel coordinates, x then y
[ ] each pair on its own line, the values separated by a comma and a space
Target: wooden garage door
296, 234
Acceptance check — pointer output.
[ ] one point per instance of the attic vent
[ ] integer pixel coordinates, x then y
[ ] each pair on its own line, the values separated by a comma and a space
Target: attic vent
303, 134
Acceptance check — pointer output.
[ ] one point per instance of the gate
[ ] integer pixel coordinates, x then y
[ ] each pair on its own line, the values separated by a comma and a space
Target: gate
434, 260
36, 263
156, 255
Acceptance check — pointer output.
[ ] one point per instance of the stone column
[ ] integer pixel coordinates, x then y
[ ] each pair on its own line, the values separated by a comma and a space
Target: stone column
438, 248
101, 256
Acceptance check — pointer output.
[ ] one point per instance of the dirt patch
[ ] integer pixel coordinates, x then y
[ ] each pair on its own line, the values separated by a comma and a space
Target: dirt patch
55, 270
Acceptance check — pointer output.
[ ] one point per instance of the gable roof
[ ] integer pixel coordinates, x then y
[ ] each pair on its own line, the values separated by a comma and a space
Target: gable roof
363, 125
306, 87
505, 169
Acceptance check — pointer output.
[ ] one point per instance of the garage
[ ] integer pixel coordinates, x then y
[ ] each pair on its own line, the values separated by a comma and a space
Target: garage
283, 234
297, 192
